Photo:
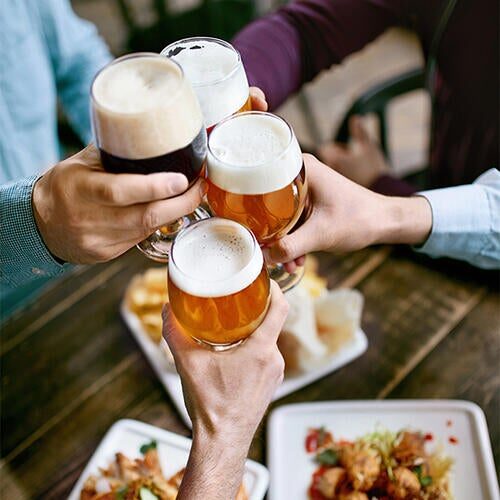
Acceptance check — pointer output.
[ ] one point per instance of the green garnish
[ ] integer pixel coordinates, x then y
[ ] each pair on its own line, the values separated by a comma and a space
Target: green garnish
121, 492
145, 494
327, 457
423, 480
148, 446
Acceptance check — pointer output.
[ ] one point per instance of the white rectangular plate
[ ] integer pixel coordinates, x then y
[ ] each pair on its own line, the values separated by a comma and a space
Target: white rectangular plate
127, 436
473, 476
172, 383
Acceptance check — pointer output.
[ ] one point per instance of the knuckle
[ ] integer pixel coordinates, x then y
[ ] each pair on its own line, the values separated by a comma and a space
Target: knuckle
151, 219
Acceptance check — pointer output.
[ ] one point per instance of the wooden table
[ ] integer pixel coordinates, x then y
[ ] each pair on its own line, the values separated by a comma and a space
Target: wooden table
70, 368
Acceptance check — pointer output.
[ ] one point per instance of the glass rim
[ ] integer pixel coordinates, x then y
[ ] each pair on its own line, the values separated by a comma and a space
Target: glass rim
133, 55
194, 225
215, 81
256, 165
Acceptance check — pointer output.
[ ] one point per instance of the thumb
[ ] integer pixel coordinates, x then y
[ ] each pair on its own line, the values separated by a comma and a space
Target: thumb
173, 335
294, 245
358, 130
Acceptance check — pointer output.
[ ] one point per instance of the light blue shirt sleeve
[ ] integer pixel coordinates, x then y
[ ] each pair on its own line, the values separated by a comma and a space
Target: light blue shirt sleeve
77, 53
466, 222
23, 254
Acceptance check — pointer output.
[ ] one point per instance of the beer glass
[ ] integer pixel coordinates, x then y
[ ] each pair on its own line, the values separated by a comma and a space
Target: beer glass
216, 72
146, 118
256, 176
218, 285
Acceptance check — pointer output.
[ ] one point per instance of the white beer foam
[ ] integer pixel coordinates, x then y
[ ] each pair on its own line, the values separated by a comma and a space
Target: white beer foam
144, 107
217, 75
215, 258
253, 153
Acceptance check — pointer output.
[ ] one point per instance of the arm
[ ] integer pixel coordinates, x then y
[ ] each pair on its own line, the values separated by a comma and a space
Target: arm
290, 47
225, 401
460, 222
466, 222
77, 53
78, 213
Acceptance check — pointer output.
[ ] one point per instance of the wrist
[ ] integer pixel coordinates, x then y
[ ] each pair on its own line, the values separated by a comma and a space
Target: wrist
402, 220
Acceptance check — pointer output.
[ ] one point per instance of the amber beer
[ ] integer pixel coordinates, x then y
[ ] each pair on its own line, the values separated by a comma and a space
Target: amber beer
216, 72
146, 119
256, 174
218, 285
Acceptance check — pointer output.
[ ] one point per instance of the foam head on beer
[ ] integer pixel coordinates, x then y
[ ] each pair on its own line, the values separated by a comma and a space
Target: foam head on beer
253, 153
215, 258
143, 107
216, 72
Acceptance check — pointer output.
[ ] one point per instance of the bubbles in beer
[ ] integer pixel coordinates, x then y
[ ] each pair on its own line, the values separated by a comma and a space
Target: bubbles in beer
215, 258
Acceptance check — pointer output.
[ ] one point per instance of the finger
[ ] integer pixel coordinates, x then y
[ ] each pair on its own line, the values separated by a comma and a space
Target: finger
175, 338
300, 261
333, 154
303, 240
270, 328
129, 189
290, 267
357, 130
148, 217
258, 99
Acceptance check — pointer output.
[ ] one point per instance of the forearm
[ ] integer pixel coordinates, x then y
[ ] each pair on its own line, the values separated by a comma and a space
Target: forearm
214, 469
291, 46
401, 220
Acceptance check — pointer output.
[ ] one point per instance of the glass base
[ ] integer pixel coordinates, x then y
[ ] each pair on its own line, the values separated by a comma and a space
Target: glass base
218, 347
285, 280
157, 246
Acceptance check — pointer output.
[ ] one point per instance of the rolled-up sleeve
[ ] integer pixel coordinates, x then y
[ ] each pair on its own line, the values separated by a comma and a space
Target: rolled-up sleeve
466, 222
23, 254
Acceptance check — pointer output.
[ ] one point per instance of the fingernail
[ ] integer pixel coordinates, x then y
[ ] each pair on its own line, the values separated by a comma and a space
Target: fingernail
203, 187
178, 183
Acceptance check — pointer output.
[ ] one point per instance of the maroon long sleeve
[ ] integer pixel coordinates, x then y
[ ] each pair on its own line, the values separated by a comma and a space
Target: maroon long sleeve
291, 46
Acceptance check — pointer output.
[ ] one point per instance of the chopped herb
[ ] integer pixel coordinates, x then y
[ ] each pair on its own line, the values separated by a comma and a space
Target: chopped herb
425, 481
327, 457
121, 492
148, 446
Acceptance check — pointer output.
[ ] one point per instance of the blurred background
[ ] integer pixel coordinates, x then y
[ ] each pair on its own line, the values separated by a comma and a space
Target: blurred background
317, 112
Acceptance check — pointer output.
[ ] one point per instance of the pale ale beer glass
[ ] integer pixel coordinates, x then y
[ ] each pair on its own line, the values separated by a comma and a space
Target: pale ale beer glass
218, 285
216, 72
256, 176
146, 118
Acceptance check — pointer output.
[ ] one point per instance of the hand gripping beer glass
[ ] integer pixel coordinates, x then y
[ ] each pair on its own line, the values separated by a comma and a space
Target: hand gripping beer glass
256, 176
146, 118
216, 72
218, 285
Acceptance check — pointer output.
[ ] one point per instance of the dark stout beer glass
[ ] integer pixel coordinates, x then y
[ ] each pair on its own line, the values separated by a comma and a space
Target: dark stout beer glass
146, 118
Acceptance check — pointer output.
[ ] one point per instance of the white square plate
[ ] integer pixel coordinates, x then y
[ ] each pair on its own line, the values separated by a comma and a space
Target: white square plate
128, 436
172, 382
473, 476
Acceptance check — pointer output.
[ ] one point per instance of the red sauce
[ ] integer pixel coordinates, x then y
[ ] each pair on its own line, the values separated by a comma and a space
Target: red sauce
428, 436
453, 440
449, 423
312, 440
314, 493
